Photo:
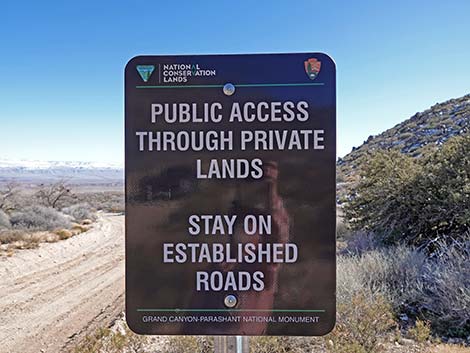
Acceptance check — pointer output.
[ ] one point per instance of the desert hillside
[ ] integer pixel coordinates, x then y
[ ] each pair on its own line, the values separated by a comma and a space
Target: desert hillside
417, 136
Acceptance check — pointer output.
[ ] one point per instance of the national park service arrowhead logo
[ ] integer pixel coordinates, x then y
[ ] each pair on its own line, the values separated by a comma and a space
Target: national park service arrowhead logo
145, 71
312, 67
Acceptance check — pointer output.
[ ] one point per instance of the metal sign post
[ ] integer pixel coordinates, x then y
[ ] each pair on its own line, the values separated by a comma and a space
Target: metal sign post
231, 344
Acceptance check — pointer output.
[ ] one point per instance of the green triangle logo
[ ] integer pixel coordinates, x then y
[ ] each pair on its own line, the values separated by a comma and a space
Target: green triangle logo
145, 71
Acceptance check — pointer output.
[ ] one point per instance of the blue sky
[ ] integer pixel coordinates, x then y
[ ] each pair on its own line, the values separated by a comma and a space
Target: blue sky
61, 63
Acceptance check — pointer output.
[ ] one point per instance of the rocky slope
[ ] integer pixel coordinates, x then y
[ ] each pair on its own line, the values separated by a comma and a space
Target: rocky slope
417, 136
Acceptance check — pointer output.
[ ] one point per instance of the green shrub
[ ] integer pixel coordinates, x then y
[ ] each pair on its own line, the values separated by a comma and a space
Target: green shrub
444, 190
384, 194
342, 229
404, 199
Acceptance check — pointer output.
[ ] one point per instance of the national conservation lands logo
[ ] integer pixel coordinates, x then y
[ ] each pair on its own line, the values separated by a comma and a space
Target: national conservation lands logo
175, 73
145, 71
312, 67
184, 72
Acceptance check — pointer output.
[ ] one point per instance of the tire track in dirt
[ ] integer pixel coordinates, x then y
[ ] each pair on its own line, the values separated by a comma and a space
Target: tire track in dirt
51, 297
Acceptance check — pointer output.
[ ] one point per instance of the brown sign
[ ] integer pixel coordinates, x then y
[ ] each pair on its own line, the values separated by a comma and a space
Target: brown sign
230, 194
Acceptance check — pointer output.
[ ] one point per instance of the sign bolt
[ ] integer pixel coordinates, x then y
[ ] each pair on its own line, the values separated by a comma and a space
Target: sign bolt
230, 301
229, 89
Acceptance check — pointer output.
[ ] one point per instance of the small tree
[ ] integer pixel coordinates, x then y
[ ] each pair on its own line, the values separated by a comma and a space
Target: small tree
444, 190
413, 200
55, 195
7, 196
384, 194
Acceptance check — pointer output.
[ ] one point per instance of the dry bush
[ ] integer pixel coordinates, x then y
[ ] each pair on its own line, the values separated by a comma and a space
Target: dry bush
361, 325
120, 339
421, 332
39, 218
108, 201
445, 348
436, 288
29, 243
447, 300
395, 273
4, 220
359, 242
47, 237
371, 287
8, 236
78, 228
8, 196
269, 344
189, 344
21, 239
63, 233
18, 239
95, 342
109, 341
20, 200
80, 212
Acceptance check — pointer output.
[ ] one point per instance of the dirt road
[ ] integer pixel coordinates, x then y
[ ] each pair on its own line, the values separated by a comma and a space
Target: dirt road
53, 296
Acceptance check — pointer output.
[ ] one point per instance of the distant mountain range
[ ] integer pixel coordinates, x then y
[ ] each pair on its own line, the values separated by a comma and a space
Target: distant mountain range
417, 136
29, 171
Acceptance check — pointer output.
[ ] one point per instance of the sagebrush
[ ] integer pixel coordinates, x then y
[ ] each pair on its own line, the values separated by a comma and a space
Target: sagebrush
80, 212
432, 288
39, 218
4, 220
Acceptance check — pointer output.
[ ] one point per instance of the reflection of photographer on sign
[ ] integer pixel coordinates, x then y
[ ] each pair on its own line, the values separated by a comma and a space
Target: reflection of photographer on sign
259, 202
230, 195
